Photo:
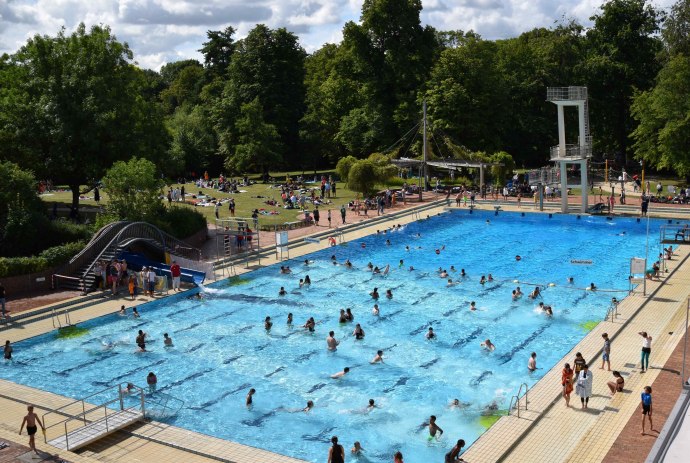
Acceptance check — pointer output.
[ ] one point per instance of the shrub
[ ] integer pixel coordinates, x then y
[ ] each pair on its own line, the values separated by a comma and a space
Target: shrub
12, 266
62, 231
63, 253
180, 222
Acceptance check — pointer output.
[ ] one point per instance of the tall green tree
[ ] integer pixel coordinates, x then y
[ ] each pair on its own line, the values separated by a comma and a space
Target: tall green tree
267, 65
218, 51
134, 190
80, 107
258, 142
662, 137
676, 29
193, 140
623, 49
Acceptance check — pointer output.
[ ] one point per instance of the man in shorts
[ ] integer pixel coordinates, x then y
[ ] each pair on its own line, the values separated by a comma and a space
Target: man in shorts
30, 420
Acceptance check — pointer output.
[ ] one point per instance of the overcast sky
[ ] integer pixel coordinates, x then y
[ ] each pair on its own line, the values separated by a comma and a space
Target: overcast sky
162, 31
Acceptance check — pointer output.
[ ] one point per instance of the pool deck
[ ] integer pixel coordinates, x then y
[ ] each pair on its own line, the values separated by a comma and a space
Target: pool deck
547, 431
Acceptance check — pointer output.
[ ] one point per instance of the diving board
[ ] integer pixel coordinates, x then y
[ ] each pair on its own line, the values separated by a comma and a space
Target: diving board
98, 429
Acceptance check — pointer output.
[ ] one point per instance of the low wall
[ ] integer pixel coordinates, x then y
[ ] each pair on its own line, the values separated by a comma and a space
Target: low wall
40, 281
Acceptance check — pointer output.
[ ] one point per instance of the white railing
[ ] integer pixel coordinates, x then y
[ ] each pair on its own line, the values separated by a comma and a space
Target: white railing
566, 93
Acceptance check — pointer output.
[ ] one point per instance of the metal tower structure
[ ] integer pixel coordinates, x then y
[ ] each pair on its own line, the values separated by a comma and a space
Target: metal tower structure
571, 154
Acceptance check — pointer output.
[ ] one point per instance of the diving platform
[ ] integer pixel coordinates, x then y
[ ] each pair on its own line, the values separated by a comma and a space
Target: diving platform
97, 430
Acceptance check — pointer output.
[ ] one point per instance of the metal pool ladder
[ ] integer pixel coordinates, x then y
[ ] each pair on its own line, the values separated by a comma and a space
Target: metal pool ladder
517, 400
55, 317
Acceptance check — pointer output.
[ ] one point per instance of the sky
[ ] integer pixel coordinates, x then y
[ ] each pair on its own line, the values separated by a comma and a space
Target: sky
163, 31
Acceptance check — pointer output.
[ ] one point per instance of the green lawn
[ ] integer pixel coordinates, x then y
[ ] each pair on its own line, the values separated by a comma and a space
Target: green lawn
255, 198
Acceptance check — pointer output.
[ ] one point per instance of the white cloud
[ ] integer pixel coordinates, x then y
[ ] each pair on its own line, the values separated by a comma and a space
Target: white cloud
160, 31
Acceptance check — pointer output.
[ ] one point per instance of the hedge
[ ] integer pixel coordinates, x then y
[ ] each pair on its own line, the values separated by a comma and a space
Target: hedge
180, 222
12, 266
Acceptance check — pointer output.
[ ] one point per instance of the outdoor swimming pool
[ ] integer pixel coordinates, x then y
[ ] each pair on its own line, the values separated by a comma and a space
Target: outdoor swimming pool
221, 347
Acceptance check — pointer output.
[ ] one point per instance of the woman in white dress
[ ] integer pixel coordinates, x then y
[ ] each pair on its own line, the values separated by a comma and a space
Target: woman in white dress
584, 386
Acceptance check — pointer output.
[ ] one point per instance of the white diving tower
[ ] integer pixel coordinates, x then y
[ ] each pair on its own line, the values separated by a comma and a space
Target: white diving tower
567, 154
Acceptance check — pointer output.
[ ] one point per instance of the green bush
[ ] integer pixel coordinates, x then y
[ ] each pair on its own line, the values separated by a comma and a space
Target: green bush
12, 266
62, 231
63, 253
180, 222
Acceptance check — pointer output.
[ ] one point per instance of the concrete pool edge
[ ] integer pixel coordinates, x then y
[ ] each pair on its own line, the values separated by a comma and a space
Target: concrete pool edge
111, 306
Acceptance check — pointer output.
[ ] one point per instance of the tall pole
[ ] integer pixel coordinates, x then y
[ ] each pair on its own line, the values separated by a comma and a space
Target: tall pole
426, 184
643, 184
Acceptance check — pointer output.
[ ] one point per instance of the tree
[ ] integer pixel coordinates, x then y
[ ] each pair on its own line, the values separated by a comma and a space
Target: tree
22, 214
257, 141
193, 141
500, 173
676, 29
662, 137
362, 177
134, 190
344, 165
185, 89
79, 108
268, 65
622, 58
218, 51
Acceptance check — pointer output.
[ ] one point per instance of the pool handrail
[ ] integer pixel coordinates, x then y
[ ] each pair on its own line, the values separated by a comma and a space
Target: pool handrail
517, 399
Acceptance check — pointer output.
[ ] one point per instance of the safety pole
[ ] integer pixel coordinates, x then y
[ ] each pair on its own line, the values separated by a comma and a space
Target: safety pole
606, 171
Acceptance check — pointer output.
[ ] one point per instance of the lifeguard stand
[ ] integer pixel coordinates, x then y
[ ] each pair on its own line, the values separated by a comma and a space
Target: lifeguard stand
571, 154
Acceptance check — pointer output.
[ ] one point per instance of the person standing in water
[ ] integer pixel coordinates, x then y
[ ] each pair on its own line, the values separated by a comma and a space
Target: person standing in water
336, 454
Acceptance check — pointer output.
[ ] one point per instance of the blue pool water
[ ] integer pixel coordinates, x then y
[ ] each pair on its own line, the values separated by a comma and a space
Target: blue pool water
221, 348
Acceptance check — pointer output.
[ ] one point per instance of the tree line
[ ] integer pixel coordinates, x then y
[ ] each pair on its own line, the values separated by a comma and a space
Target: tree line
73, 104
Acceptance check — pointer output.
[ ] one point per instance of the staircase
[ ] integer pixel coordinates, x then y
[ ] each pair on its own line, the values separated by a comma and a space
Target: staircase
108, 243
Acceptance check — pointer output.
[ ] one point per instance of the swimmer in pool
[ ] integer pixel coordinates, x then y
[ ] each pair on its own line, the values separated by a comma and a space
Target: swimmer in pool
375, 310
309, 406
289, 319
518, 258
370, 266
372, 405
331, 342
378, 358
482, 280
301, 282
488, 345
411, 268
518, 292
401, 264
491, 277
348, 314
348, 264
268, 324
141, 341
452, 269
310, 324
490, 409
571, 280
592, 287
282, 291
388, 242
376, 271
375, 293
123, 311
307, 280
389, 294
333, 258
167, 340
450, 282
536, 293
307, 261
532, 362
433, 427
358, 333
407, 248
343, 316
462, 273
430, 334
135, 313
357, 448
248, 401
455, 403
546, 309
340, 374
473, 305
443, 274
